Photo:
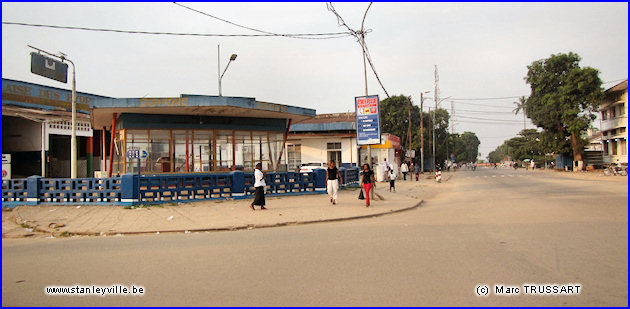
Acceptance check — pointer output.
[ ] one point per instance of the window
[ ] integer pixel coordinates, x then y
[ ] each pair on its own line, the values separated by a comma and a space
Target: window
224, 151
203, 157
294, 157
605, 115
334, 146
623, 145
613, 146
622, 109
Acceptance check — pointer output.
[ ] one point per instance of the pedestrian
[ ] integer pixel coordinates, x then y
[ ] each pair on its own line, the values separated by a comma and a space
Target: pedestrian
368, 182
392, 178
259, 185
333, 180
416, 170
404, 169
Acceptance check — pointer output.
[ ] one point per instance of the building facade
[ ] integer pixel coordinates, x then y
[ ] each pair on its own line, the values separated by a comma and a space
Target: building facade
333, 137
36, 130
614, 124
194, 134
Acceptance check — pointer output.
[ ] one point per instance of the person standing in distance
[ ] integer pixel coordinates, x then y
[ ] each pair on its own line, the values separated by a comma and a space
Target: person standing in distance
333, 179
259, 185
368, 182
404, 169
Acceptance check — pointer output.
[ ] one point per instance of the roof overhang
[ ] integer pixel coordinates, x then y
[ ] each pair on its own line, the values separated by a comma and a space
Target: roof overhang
102, 110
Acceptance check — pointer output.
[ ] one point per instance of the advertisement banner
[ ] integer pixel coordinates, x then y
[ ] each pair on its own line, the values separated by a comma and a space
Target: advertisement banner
368, 120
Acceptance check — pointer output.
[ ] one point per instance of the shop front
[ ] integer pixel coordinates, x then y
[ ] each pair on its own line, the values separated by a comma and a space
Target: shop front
195, 134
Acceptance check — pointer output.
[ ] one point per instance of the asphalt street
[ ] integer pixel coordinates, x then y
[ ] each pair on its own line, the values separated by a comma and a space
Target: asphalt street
486, 228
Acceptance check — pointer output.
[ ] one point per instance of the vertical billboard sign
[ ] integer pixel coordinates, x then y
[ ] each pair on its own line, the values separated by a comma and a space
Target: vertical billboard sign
368, 120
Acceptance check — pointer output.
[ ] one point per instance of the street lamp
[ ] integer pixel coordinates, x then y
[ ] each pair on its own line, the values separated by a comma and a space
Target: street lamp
232, 58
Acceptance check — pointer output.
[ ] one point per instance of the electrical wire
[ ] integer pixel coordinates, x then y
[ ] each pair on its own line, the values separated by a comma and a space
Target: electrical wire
486, 105
298, 36
360, 37
173, 33
488, 119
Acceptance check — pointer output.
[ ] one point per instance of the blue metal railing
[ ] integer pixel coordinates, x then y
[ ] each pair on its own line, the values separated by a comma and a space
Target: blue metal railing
132, 189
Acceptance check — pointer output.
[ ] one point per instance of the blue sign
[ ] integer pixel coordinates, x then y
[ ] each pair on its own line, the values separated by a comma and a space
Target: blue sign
368, 120
137, 153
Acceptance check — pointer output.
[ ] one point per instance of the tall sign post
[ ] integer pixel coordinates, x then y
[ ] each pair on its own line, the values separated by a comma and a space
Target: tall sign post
58, 70
368, 121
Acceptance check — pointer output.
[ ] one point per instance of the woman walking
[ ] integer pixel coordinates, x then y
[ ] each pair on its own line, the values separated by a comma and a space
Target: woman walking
333, 180
259, 184
368, 182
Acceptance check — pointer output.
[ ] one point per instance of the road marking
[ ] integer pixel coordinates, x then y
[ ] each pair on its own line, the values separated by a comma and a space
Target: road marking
494, 176
502, 175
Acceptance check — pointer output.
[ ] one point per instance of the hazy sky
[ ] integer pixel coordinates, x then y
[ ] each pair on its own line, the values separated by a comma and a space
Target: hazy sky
481, 49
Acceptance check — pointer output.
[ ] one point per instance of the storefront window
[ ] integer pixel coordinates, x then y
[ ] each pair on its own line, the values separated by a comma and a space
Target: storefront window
137, 139
203, 153
224, 151
244, 155
159, 159
183, 151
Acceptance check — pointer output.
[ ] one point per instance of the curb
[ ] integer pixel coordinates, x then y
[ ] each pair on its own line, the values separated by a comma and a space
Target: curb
219, 229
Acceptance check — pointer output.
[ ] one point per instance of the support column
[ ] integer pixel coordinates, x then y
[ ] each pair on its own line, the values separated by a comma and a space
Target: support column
111, 145
90, 157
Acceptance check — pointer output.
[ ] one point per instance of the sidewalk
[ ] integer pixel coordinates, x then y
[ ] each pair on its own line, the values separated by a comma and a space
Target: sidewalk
215, 215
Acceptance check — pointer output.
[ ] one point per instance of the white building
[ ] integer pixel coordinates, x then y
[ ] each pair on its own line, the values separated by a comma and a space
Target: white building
614, 124
333, 137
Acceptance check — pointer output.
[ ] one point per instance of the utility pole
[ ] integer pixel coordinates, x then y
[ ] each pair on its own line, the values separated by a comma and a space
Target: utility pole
409, 120
436, 100
452, 117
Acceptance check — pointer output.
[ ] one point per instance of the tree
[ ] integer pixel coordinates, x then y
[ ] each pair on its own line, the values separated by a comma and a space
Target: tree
394, 113
465, 146
520, 107
563, 98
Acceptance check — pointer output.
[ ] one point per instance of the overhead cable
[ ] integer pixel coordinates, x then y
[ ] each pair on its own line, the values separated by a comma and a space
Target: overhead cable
330, 35
294, 36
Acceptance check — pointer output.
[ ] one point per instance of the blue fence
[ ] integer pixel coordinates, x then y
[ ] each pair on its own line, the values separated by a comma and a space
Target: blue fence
131, 189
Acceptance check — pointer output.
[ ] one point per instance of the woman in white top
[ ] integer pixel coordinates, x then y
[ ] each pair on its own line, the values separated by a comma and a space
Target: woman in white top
259, 185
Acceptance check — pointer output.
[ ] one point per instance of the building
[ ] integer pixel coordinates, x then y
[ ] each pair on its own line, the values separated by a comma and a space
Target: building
186, 134
333, 137
323, 138
37, 126
194, 133
614, 124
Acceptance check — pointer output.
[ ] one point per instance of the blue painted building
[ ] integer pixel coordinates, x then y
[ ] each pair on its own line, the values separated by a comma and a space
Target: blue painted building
193, 133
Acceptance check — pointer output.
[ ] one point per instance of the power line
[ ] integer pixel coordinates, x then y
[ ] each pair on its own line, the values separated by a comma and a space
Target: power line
480, 111
476, 104
489, 119
300, 36
485, 99
179, 33
358, 35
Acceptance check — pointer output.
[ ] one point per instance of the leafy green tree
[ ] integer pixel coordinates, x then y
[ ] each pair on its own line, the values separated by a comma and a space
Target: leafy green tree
394, 113
563, 99
465, 147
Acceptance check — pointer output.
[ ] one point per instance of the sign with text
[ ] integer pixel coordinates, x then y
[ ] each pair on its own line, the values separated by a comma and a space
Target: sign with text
368, 120
137, 153
48, 67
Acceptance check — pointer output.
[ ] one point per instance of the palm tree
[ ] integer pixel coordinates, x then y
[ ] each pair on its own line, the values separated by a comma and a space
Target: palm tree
520, 106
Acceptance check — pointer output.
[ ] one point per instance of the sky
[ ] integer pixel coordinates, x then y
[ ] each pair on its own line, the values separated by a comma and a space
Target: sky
481, 51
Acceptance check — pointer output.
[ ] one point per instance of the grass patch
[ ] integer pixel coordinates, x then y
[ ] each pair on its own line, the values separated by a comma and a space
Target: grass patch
24, 225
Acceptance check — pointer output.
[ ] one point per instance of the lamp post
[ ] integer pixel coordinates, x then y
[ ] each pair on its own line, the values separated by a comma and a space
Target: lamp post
232, 58
73, 137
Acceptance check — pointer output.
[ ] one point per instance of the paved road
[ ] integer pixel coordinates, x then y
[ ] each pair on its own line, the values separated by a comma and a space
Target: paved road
487, 227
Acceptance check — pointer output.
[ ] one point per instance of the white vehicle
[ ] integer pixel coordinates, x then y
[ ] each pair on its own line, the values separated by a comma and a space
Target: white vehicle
309, 167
